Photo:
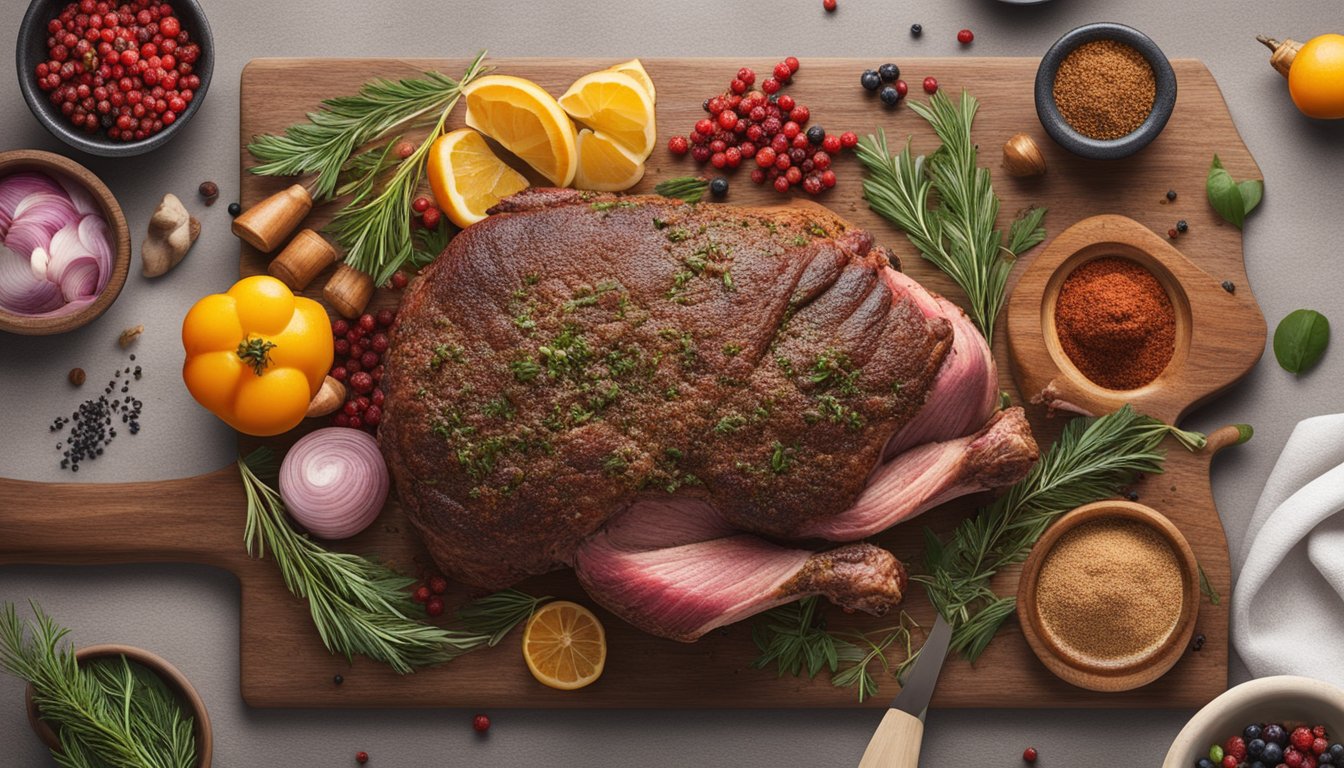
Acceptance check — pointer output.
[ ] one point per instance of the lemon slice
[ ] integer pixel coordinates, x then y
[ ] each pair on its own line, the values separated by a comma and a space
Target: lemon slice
527, 121
467, 178
564, 645
635, 69
615, 104
605, 165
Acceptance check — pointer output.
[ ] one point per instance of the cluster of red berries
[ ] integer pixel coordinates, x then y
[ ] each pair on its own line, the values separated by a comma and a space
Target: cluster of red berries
765, 125
125, 69
360, 346
429, 215
429, 593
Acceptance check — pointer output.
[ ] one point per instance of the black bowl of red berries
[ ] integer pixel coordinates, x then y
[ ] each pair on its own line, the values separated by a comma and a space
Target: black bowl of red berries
114, 78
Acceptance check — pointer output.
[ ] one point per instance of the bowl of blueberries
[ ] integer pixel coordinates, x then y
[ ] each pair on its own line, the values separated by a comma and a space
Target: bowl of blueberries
1265, 723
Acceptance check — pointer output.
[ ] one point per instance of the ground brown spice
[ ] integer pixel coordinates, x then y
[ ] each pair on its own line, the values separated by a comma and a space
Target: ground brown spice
1116, 323
1110, 590
1105, 89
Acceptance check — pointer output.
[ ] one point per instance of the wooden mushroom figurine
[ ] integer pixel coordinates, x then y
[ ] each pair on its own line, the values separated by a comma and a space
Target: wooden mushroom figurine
172, 231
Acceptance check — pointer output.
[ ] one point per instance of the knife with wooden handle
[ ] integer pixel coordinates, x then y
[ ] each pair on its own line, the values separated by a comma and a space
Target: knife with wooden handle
901, 732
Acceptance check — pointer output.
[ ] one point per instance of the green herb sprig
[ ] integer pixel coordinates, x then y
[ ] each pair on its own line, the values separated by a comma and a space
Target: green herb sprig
947, 208
360, 606
688, 188
1300, 340
1233, 200
107, 712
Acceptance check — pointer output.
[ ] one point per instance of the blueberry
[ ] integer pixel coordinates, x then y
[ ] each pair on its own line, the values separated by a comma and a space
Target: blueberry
916, 30
1325, 759
1275, 734
1205, 762
1252, 731
718, 187
1337, 751
870, 80
235, 209
889, 73
816, 134
890, 96
1258, 764
1255, 747
1273, 754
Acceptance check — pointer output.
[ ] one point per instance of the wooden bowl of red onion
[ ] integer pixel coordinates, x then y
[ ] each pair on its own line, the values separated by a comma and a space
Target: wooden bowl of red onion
65, 248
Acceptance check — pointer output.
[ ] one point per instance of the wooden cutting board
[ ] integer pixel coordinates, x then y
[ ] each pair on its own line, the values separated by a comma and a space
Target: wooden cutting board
283, 663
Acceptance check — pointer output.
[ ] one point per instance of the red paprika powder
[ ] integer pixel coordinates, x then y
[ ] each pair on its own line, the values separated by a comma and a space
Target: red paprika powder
1116, 323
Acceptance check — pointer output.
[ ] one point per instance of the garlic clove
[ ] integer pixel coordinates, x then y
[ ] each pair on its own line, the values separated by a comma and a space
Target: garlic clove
172, 231
1021, 156
330, 397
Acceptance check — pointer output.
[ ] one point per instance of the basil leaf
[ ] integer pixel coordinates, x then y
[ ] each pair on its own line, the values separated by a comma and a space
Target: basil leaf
1224, 194
1251, 191
1300, 339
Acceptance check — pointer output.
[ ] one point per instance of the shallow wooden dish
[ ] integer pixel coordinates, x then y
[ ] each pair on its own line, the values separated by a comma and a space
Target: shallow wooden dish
55, 165
1219, 335
175, 680
1090, 673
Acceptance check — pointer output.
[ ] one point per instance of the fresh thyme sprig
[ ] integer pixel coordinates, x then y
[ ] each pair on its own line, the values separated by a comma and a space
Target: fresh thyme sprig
1092, 460
687, 188
107, 712
360, 606
946, 206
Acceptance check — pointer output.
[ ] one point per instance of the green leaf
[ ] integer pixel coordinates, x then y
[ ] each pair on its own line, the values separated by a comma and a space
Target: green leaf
687, 188
1207, 588
1300, 340
1232, 200
1251, 191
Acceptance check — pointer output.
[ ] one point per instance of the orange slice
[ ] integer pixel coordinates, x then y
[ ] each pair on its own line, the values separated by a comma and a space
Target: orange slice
525, 120
565, 646
467, 178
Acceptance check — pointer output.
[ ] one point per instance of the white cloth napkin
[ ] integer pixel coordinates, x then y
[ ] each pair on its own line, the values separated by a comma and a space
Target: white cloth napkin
1288, 602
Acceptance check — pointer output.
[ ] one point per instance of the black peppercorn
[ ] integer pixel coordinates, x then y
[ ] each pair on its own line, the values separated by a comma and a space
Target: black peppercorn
1229, 286
1199, 642
1182, 227
235, 209
916, 30
338, 679
718, 187
1171, 195
1132, 495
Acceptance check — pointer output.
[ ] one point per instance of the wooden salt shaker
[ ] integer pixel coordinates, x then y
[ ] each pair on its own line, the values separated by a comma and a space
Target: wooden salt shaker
265, 225
306, 255
348, 291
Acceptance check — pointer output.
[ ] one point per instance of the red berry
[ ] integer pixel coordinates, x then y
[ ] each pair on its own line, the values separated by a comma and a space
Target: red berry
737, 86
1029, 755
1230, 762
169, 27
1236, 747
421, 594
727, 120
434, 606
782, 162
1301, 737
1292, 758
792, 63
734, 156
420, 204
849, 140
480, 723
399, 280
765, 157
1319, 745
800, 114
369, 360
794, 174
781, 184
930, 85
384, 318
902, 88
718, 145
431, 217
785, 102
831, 143
829, 5
791, 129
700, 153
812, 185
716, 105
746, 75
704, 126
361, 382
438, 585
757, 176
678, 145
718, 160
770, 85
367, 322
783, 73
965, 36
821, 160
828, 179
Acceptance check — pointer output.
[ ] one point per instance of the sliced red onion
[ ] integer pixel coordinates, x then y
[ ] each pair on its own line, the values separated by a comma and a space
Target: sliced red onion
334, 482
55, 246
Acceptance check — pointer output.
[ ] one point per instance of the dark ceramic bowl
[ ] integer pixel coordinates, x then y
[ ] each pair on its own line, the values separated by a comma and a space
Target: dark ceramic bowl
1104, 149
32, 49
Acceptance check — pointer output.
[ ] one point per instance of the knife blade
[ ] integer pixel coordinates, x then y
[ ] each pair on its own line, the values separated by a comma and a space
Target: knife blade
897, 740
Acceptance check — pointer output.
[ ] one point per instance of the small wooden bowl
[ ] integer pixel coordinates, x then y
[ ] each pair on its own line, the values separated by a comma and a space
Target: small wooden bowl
1219, 335
1095, 674
55, 165
176, 681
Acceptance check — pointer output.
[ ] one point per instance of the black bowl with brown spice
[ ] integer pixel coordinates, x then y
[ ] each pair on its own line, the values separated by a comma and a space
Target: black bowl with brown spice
1104, 91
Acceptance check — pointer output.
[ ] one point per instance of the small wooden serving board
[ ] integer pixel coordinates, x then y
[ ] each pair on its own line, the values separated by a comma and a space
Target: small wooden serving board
284, 664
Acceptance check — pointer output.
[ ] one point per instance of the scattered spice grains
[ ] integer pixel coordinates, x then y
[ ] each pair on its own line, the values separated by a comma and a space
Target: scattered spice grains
1105, 89
1110, 589
1116, 323
92, 425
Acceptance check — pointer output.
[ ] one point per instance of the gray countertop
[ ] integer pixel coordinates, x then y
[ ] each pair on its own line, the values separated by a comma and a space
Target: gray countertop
190, 615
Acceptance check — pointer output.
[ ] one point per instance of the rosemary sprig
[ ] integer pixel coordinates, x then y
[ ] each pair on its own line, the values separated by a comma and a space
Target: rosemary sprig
324, 143
687, 188
107, 712
360, 606
1092, 460
864, 650
946, 206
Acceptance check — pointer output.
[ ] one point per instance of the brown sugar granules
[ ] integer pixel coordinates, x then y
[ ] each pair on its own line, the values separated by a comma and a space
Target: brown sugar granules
1105, 89
1116, 323
1110, 590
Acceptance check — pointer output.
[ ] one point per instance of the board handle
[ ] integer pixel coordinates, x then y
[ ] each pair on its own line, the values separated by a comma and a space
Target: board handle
896, 742
192, 520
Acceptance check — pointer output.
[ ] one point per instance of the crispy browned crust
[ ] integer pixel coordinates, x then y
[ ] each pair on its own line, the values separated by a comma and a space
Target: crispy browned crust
753, 356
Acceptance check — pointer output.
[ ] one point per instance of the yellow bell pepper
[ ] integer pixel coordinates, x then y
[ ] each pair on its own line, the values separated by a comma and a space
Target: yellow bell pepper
257, 355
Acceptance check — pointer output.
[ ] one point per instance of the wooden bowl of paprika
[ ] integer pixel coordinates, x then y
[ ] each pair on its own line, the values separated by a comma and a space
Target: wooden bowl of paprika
1109, 596
1111, 313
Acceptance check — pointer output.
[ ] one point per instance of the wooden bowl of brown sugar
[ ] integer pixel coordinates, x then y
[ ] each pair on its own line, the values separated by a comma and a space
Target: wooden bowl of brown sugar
1109, 595
1104, 91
